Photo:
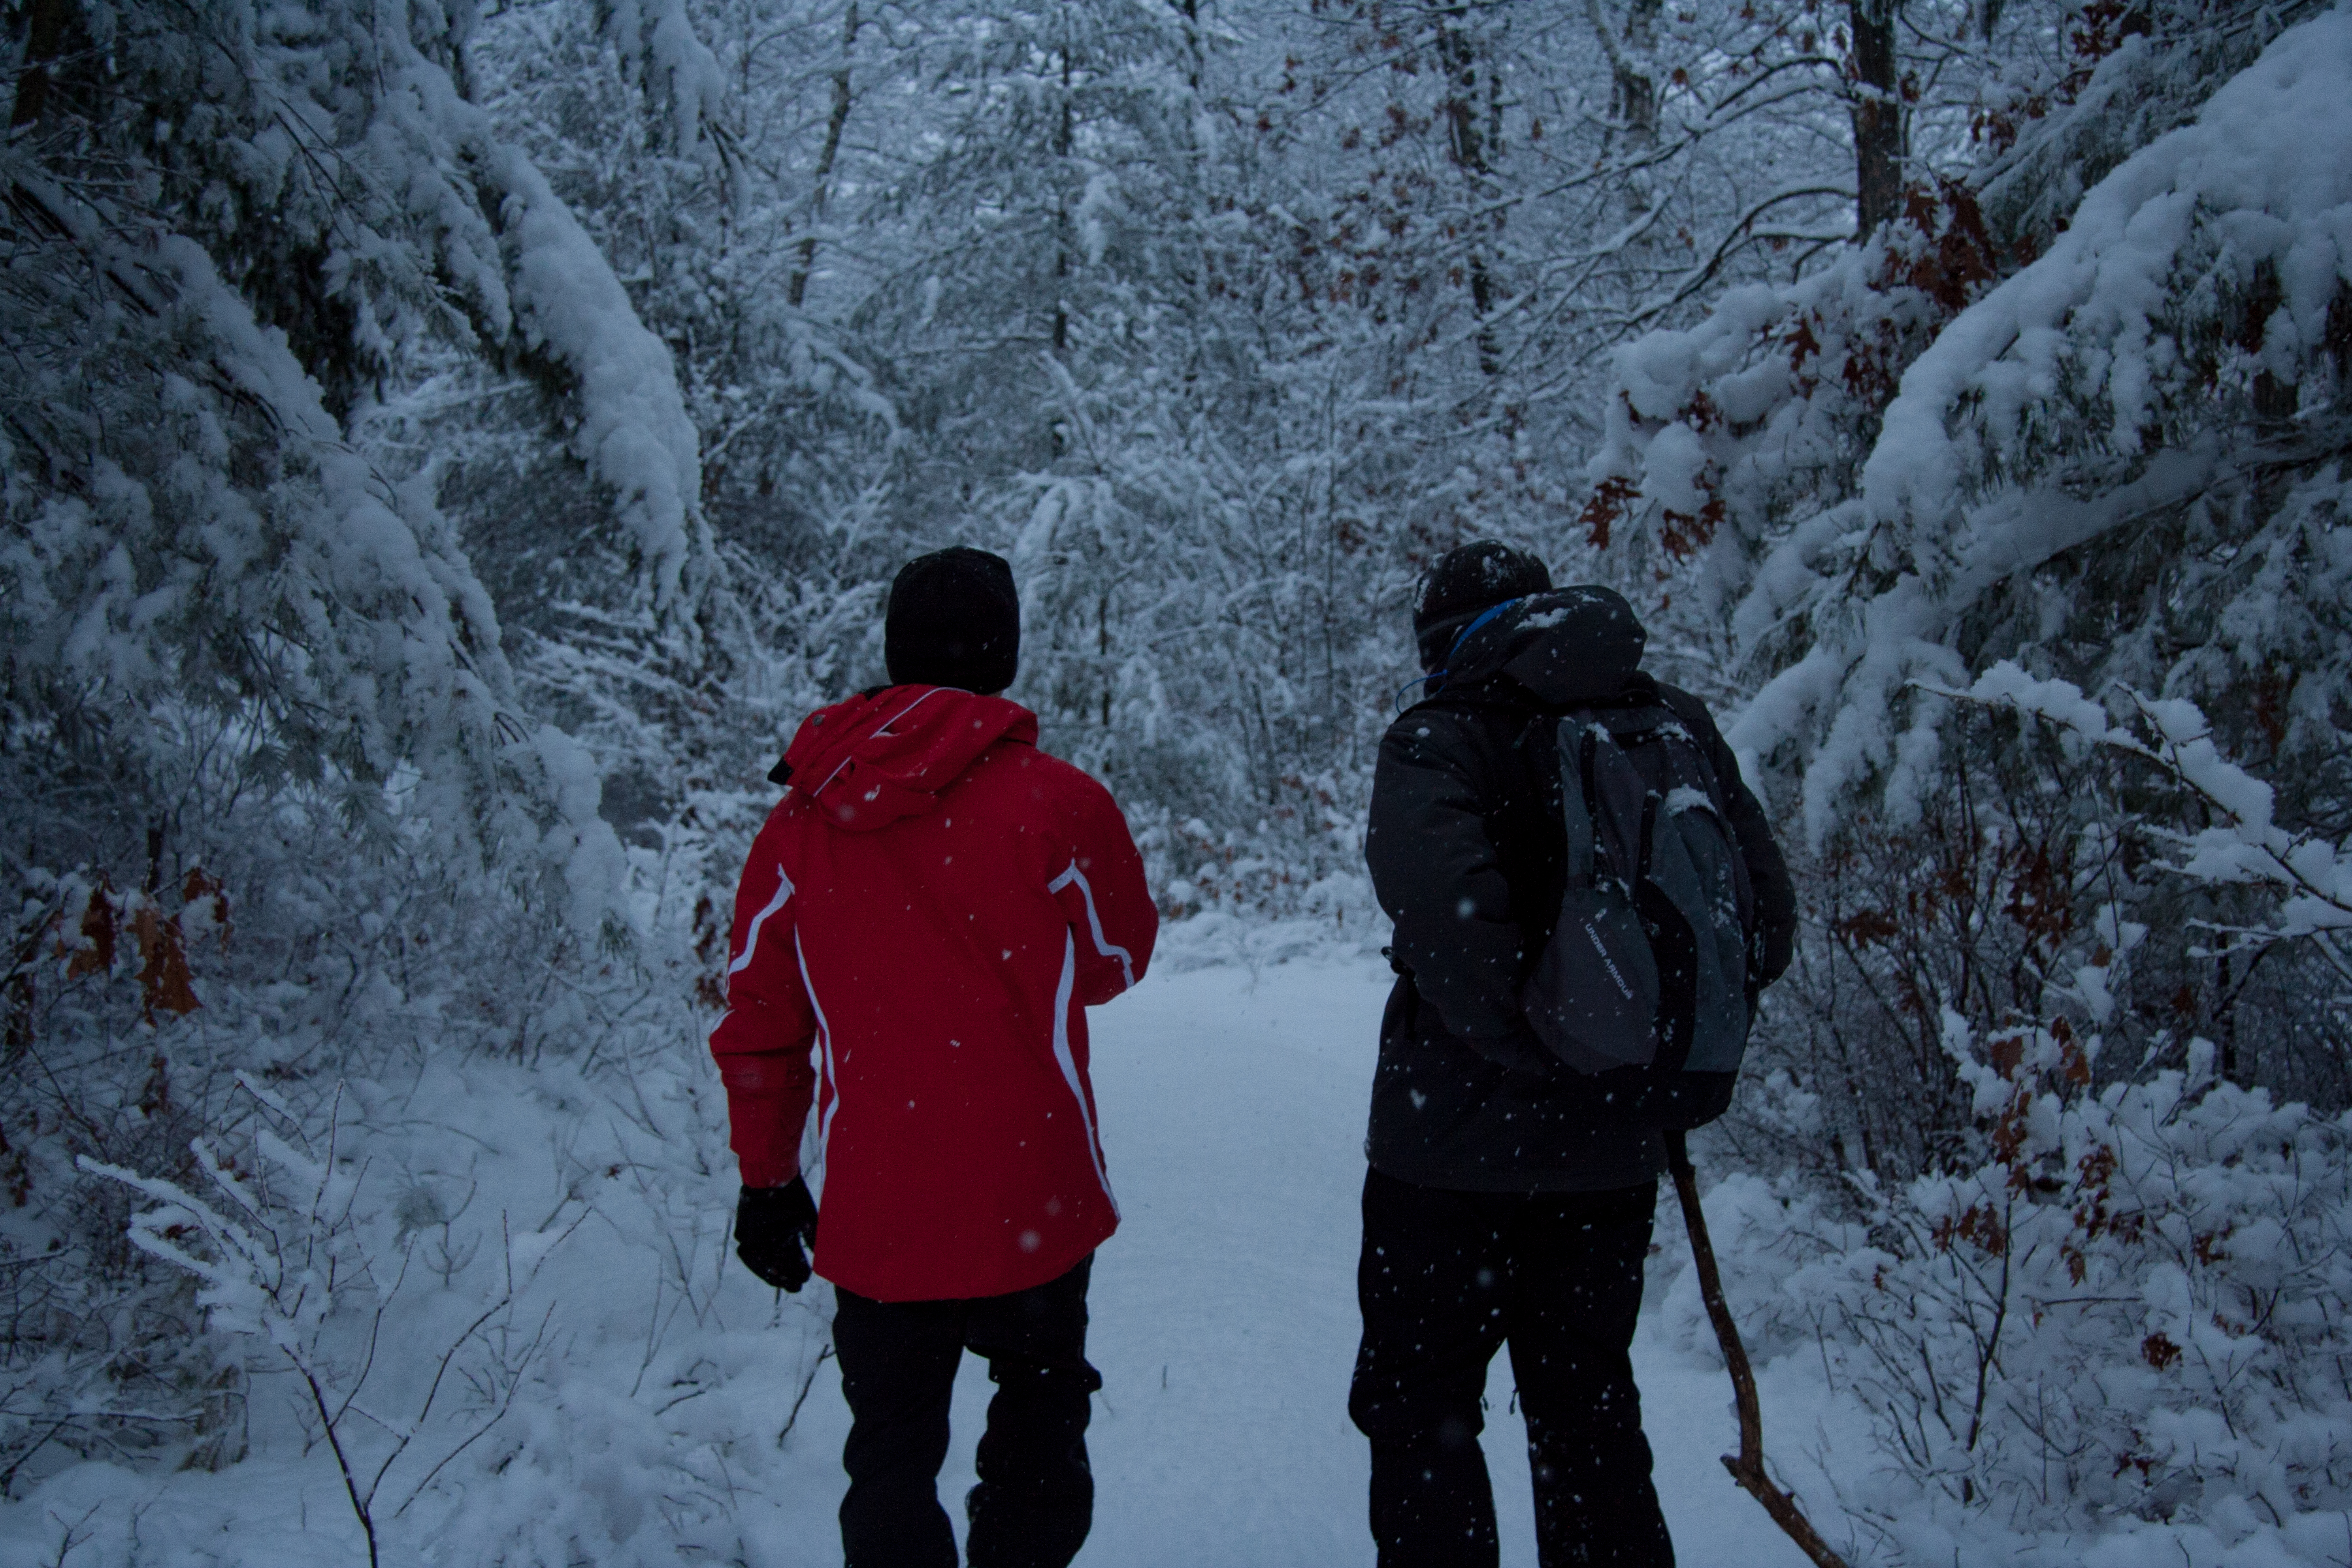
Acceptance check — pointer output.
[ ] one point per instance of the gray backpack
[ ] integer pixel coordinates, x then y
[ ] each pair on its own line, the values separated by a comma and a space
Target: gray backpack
1644, 979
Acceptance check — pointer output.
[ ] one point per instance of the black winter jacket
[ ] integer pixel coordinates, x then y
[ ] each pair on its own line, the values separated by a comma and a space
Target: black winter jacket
1467, 856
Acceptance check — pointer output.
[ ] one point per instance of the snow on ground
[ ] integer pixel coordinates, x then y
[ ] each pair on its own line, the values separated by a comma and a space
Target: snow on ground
1233, 1109
1233, 1103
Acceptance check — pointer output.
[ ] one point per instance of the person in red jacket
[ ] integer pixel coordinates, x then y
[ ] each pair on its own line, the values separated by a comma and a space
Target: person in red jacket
921, 925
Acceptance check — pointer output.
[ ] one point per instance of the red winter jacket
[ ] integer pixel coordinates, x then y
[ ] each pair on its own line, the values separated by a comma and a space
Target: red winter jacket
933, 906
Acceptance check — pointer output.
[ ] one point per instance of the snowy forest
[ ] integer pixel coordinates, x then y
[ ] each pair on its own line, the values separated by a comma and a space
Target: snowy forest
448, 444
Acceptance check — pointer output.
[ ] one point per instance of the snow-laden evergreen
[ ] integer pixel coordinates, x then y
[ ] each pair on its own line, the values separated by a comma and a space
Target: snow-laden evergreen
2169, 353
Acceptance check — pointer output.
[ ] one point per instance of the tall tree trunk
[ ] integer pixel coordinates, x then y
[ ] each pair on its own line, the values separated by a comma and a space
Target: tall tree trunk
1877, 116
1467, 147
1191, 11
1633, 77
1632, 138
1064, 140
797, 288
44, 38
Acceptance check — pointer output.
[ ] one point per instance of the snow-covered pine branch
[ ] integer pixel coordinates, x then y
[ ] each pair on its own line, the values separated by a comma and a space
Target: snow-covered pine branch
2307, 874
2164, 370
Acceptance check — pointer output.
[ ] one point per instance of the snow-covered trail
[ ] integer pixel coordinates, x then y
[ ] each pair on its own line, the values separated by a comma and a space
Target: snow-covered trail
644, 1429
1224, 1311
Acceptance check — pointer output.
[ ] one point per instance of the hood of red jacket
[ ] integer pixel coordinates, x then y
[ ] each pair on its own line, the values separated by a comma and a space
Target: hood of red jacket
866, 763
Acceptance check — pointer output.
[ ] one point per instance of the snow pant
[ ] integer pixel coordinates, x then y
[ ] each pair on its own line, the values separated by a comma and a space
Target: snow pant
1446, 1278
1035, 1500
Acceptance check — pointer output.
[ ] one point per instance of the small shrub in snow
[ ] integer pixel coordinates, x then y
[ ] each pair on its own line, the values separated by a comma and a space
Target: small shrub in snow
2134, 1309
2099, 1293
287, 1262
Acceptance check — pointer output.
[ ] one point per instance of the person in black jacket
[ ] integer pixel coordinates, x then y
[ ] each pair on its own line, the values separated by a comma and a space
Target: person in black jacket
1504, 1204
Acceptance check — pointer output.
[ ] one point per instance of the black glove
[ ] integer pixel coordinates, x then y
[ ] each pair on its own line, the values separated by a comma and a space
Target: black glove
773, 1228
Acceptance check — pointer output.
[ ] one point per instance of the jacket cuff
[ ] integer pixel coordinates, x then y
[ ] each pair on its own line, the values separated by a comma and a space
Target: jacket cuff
767, 1151
763, 1176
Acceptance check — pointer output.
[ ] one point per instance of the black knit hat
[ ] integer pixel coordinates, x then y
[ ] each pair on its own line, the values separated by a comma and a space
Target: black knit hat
1467, 581
954, 619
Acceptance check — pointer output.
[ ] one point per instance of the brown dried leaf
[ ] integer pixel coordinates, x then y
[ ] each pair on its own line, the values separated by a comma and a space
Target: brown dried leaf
164, 978
2007, 1052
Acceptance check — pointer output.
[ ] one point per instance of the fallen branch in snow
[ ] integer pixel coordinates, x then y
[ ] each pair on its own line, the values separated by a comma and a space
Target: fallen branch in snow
1747, 1467
806, 1384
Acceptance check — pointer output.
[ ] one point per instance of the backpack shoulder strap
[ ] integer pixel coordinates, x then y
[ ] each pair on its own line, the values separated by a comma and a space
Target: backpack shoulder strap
1572, 743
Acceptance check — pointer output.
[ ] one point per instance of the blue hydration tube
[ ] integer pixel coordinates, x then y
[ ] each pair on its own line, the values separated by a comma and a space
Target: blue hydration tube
1398, 700
1470, 631
1440, 674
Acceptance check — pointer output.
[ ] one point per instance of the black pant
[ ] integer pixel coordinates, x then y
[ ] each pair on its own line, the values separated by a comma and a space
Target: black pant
1035, 1500
1447, 1277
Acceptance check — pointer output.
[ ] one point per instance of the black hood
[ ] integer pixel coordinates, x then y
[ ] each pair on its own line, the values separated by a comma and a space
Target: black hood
1568, 645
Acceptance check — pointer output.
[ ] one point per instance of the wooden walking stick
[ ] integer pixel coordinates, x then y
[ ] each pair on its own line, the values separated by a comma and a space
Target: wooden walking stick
1747, 1467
